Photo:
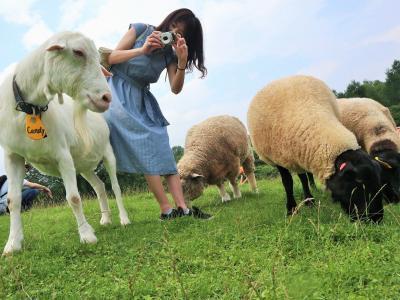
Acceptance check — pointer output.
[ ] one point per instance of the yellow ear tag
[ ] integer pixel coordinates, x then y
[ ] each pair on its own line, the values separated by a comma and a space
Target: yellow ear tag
34, 127
387, 166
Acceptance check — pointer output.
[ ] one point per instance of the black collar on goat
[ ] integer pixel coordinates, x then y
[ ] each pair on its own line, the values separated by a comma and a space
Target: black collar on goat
24, 106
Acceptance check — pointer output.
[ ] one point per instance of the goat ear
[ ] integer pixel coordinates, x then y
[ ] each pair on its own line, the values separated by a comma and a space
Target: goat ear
106, 73
55, 47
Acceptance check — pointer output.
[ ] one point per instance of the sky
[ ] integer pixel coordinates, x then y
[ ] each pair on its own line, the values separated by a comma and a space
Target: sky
247, 44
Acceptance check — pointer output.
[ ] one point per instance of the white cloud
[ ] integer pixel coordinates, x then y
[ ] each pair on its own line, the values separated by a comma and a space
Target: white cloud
389, 36
71, 12
18, 11
239, 31
36, 35
112, 19
323, 69
21, 12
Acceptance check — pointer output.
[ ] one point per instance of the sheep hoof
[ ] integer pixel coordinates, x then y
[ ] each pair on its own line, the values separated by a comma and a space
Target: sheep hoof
309, 202
86, 234
238, 195
226, 198
292, 212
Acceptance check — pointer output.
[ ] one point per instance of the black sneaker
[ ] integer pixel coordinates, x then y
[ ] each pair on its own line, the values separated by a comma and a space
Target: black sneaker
172, 215
195, 212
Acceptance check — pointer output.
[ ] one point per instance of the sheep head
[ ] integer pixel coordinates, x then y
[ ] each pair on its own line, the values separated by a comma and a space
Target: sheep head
389, 161
356, 184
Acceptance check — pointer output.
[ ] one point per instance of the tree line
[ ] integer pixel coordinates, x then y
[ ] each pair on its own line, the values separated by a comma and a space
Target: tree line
386, 92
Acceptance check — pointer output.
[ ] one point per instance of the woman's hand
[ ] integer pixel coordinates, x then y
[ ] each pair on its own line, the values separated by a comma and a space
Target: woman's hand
152, 42
181, 51
48, 192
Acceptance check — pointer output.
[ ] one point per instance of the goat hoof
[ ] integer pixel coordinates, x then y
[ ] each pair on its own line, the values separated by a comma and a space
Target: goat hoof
86, 234
12, 246
125, 221
105, 220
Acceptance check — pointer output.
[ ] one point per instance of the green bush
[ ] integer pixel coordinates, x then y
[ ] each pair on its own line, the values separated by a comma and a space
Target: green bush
266, 171
395, 111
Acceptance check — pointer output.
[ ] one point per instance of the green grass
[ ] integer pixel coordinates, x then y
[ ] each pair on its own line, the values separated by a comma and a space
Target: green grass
249, 250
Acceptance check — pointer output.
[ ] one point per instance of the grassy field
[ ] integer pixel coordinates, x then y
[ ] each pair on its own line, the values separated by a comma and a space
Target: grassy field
250, 250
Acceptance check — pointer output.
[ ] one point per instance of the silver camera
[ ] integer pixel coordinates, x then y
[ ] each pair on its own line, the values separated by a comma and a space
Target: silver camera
167, 38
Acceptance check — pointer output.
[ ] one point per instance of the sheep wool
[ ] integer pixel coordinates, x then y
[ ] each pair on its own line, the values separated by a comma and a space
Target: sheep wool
294, 123
371, 122
215, 148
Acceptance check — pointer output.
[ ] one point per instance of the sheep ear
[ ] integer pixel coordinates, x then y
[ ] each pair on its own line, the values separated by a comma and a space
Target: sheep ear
383, 163
55, 47
195, 176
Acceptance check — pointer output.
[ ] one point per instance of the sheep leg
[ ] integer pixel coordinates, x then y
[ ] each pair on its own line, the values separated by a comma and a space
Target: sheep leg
287, 181
248, 167
111, 167
235, 188
224, 195
100, 190
252, 181
308, 197
15, 175
68, 174
310, 177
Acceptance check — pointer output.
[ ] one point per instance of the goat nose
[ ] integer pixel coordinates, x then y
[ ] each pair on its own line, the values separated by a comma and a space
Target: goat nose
106, 97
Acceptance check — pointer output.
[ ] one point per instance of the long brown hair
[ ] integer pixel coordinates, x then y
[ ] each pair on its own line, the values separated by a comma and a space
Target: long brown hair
193, 36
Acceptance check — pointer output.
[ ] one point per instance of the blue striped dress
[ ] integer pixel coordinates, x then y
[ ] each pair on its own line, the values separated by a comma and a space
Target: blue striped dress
137, 126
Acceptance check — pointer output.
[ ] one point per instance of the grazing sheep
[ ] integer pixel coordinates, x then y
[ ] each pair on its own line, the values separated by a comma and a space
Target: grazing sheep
76, 142
375, 130
214, 151
293, 124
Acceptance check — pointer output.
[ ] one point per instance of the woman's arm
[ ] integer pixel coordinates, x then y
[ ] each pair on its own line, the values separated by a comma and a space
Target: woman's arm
39, 187
176, 72
123, 51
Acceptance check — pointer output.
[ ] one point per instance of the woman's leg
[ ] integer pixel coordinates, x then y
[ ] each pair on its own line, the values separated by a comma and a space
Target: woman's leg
175, 188
27, 197
156, 187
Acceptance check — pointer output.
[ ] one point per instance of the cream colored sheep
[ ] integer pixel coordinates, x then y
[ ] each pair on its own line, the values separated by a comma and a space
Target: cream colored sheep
375, 129
214, 151
370, 121
293, 124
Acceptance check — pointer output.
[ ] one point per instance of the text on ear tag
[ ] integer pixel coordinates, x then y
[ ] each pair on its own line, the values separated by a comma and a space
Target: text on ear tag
34, 127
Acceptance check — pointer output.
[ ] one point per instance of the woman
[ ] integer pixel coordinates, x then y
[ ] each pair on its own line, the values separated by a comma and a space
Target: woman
138, 128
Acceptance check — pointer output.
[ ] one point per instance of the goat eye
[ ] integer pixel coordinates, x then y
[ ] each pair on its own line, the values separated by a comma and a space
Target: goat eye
78, 53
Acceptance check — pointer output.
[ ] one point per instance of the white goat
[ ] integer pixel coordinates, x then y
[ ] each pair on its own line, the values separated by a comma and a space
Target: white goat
67, 63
